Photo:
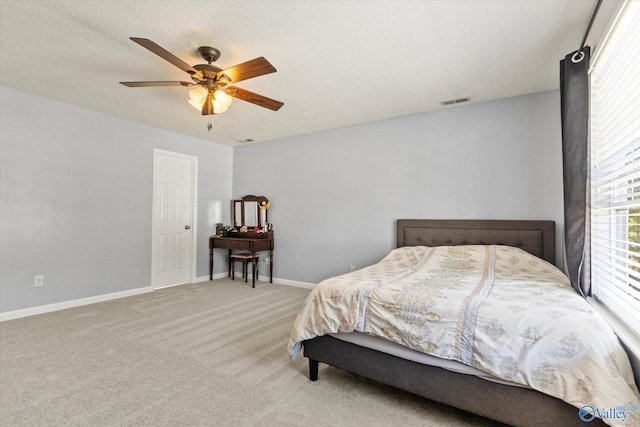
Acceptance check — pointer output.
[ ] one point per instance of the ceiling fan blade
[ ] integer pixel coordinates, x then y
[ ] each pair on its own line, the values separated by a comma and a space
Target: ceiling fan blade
154, 84
248, 70
207, 107
166, 55
254, 98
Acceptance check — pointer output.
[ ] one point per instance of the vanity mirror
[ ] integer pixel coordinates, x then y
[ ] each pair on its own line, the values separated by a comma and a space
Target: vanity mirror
251, 232
250, 212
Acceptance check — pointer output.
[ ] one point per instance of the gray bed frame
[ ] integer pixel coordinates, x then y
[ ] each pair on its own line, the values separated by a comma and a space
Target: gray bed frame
511, 405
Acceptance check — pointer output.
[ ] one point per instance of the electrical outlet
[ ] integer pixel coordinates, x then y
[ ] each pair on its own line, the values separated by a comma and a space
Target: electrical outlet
38, 281
353, 268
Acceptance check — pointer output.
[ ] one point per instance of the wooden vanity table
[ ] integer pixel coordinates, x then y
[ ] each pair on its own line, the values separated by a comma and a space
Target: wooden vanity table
249, 213
249, 243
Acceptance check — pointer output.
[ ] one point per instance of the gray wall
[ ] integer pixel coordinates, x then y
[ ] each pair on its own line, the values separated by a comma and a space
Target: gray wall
75, 194
75, 189
336, 194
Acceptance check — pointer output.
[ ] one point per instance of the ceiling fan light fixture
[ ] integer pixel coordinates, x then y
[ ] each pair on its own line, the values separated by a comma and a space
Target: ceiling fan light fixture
223, 98
219, 100
208, 106
194, 104
217, 108
197, 97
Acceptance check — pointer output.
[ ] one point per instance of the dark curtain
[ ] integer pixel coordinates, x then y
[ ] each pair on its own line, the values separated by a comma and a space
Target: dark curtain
574, 100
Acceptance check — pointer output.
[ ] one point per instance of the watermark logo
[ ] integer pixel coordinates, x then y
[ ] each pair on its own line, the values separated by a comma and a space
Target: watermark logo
587, 413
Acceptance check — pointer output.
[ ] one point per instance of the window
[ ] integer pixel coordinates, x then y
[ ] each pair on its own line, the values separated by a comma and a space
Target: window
615, 168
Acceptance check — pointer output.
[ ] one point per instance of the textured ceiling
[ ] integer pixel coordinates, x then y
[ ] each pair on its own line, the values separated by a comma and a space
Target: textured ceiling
339, 63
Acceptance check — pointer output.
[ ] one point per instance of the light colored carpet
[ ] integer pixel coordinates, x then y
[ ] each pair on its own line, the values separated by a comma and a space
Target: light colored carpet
204, 354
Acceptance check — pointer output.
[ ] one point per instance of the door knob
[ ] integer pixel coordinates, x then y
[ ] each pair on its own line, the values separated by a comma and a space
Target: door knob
187, 227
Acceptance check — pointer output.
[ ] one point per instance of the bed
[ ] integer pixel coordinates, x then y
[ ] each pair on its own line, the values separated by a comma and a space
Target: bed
346, 339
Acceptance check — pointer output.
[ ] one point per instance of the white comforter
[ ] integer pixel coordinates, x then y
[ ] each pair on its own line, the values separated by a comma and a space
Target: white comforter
495, 308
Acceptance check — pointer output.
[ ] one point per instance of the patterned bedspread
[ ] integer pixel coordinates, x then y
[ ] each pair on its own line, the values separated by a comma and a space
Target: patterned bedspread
495, 308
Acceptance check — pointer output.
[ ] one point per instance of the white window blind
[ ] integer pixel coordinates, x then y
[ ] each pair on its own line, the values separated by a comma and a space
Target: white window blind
615, 169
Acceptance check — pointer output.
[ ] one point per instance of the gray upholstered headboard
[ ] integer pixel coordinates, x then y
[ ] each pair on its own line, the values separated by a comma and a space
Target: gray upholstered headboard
536, 237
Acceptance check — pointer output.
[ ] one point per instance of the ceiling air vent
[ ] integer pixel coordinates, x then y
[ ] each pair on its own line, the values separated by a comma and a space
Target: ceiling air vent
455, 101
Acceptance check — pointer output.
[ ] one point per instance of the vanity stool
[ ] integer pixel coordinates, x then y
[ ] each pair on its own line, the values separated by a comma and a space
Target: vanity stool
245, 259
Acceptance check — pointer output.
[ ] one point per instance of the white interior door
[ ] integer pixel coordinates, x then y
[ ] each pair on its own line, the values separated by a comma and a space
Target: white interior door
173, 225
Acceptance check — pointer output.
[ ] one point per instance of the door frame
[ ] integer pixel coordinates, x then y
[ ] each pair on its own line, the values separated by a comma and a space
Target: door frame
193, 247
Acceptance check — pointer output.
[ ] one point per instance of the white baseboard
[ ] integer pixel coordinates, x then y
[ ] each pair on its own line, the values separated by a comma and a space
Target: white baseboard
206, 278
32, 311
197, 280
276, 280
287, 282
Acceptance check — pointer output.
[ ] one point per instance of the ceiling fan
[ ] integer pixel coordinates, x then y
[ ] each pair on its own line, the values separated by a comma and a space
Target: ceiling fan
213, 94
